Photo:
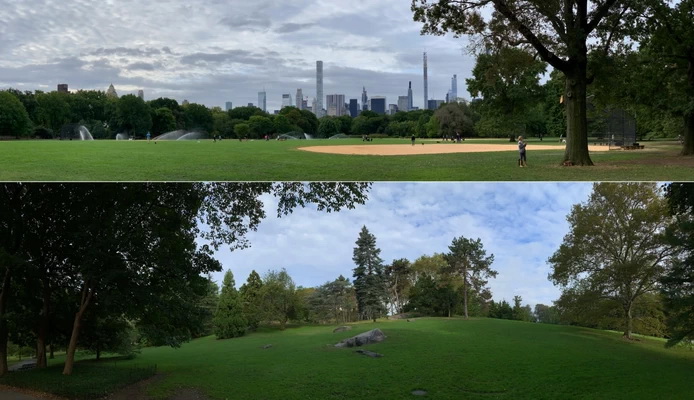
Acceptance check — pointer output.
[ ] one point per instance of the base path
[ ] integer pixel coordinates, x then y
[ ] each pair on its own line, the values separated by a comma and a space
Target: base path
430, 148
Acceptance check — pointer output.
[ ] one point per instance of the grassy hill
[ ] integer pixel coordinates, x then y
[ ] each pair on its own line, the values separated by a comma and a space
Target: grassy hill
110, 160
448, 358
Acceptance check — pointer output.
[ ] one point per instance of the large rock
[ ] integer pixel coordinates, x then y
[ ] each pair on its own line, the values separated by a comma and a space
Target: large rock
372, 336
342, 329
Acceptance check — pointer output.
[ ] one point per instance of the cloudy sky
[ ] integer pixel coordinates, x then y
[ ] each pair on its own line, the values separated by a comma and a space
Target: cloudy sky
215, 51
522, 224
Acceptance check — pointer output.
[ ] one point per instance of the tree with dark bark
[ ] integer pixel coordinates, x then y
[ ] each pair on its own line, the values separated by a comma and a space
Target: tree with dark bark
559, 32
368, 276
615, 249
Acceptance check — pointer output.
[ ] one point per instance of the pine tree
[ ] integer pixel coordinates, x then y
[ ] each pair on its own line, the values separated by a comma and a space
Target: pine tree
251, 297
229, 320
368, 276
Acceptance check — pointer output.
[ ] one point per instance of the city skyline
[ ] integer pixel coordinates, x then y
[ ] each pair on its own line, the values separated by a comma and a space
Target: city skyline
217, 55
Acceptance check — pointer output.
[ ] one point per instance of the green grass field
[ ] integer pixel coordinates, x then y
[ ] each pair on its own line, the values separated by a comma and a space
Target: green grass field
448, 358
229, 160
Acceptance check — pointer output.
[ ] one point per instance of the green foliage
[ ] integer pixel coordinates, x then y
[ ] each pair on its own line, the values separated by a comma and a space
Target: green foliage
133, 115
198, 118
279, 297
54, 110
252, 298
328, 126
163, 121
368, 276
454, 119
242, 130
260, 126
245, 113
14, 120
333, 301
229, 319
546, 314
468, 260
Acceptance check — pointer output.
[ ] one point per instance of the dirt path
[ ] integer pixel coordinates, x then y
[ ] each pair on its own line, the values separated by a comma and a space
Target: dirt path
13, 393
430, 148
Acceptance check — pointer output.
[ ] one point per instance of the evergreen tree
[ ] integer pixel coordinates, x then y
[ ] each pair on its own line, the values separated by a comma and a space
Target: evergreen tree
368, 276
229, 320
251, 297
469, 260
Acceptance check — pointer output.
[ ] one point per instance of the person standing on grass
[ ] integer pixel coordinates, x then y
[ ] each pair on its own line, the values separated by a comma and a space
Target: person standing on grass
413, 138
522, 162
148, 136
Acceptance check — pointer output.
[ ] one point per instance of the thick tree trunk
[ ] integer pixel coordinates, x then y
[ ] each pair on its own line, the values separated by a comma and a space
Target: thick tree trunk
688, 148
576, 152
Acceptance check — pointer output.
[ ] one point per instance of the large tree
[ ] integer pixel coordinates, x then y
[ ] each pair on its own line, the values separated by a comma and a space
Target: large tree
251, 296
397, 277
229, 319
468, 259
615, 249
560, 32
14, 120
678, 283
133, 115
368, 276
279, 297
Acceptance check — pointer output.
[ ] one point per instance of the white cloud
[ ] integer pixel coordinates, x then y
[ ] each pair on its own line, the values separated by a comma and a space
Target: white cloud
522, 224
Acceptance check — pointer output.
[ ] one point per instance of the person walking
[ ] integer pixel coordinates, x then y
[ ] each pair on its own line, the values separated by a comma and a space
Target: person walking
522, 161
148, 136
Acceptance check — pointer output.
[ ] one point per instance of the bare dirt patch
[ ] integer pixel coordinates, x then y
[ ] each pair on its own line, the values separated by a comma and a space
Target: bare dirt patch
429, 148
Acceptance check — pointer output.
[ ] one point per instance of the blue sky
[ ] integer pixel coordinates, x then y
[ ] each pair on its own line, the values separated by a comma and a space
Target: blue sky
521, 223
215, 51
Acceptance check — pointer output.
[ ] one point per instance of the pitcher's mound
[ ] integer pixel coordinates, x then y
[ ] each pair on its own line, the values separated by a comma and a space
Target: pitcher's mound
429, 148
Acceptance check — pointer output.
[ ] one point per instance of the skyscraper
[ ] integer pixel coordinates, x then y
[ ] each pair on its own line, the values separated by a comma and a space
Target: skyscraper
261, 100
353, 108
228, 106
286, 100
62, 88
111, 92
378, 104
319, 89
403, 101
141, 94
364, 100
410, 105
335, 104
426, 87
454, 88
299, 99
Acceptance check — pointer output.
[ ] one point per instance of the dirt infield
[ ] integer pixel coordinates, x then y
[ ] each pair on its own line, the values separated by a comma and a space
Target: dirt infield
430, 148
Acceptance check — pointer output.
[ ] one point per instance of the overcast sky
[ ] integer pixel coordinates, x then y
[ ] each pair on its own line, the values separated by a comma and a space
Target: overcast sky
522, 224
214, 51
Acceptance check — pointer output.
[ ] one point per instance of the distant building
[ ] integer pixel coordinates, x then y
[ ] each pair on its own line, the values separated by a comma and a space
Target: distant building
392, 109
410, 105
185, 102
286, 100
304, 104
353, 108
111, 91
454, 88
141, 94
251, 105
403, 102
62, 88
364, 99
262, 101
228, 106
377, 104
426, 84
335, 104
434, 104
299, 99
318, 109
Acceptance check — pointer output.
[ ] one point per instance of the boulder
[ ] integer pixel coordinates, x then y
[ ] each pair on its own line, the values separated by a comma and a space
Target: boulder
267, 346
342, 329
372, 336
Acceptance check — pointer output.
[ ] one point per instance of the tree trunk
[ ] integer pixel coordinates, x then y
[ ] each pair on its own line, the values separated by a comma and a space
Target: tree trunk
688, 148
465, 292
72, 346
576, 152
41, 361
3, 321
629, 322
52, 356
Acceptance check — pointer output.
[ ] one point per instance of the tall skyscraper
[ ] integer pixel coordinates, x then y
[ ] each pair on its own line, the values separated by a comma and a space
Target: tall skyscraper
364, 99
286, 100
111, 91
262, 101
141, 94
318, 110
299, 99
228, 105
410, 105
454, 88
353, 108
62, 88
335, 104
403, 101
426, 84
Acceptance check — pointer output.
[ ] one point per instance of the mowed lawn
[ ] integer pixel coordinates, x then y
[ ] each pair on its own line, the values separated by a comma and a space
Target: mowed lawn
447, 358
231, 160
